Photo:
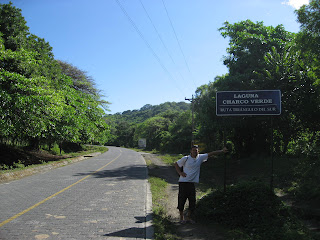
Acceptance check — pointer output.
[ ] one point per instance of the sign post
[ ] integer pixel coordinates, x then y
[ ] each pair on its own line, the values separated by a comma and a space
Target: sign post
250, 103
142, 143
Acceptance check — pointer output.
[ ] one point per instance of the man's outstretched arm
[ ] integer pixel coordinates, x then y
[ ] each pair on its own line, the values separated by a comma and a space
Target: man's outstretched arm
224, 150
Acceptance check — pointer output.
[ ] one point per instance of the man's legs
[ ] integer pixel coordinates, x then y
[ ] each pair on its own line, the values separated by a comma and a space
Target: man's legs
182, 198
186, 191
192, 202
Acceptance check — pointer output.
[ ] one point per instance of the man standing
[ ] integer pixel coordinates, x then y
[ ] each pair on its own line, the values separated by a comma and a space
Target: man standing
188, 177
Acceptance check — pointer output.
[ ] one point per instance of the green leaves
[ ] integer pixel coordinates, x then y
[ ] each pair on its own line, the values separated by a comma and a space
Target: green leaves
309, 17
39, 103
248, 44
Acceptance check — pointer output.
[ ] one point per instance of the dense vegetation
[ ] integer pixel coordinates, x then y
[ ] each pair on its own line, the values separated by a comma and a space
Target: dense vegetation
167, 127
43, 101
253, 212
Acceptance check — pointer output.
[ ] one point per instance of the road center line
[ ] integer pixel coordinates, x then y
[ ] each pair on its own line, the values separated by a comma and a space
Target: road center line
53, 195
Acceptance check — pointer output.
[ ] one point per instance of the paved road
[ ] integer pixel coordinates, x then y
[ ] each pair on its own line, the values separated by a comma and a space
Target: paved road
105, 197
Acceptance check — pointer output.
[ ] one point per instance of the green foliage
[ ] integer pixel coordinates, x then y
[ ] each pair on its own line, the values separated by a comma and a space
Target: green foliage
148, 111
154, 130
13, 27
167, 127
248, 44
251, 210
40, 103
307, 177
309, 17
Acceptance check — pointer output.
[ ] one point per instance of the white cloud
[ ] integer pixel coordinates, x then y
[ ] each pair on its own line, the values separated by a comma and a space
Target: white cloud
295, 3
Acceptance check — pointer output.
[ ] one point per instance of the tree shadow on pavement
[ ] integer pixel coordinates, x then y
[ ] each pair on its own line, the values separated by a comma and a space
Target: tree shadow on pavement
133, 172
135, 232
123, 173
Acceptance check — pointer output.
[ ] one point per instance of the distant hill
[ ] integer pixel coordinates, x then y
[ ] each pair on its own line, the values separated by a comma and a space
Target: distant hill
148, 111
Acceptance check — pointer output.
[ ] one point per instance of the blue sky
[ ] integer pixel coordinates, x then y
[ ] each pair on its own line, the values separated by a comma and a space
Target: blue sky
147, 51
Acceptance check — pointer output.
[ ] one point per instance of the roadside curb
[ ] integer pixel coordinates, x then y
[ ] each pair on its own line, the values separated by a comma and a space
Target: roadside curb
14, 175
148, 224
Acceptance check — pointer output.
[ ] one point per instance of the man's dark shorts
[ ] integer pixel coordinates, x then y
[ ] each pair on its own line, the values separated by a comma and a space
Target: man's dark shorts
187, 190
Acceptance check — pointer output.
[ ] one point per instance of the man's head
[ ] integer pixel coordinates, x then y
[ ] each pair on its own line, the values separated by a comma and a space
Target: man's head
194, 151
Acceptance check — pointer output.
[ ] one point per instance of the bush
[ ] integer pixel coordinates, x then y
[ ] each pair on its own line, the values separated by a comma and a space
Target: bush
307, 177
252, 210
69, 147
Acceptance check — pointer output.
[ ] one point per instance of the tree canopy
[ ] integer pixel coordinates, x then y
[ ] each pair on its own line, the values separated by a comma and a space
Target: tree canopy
41, 101
159, 124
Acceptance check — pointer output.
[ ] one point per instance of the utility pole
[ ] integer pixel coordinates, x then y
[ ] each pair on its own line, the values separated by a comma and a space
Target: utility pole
191, 100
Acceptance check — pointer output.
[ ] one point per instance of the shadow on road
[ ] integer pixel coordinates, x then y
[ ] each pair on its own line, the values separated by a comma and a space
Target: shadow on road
133, 232
135, 172
123, 173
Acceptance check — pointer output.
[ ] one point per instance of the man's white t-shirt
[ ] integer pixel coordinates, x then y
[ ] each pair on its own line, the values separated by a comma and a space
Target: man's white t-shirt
191, 166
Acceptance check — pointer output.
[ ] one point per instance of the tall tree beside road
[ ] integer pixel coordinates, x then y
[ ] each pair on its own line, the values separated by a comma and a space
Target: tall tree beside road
308, 42
40, 104
13, 27
248, 44
309, 18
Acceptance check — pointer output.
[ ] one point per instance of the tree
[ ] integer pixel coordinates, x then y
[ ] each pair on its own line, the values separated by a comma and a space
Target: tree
248, 44
13, 27
83, 83
129, 126
179, 133
309, 17
154, 129
40, 104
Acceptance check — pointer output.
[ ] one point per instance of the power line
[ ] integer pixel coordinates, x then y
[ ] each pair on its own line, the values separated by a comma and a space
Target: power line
159, 36
178, 42
145, 41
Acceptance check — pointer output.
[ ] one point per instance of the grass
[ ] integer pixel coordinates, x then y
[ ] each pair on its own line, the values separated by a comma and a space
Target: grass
163, 227
170, 159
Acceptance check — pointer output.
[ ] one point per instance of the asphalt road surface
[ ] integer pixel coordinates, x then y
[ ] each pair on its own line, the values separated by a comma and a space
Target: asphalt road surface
104, 197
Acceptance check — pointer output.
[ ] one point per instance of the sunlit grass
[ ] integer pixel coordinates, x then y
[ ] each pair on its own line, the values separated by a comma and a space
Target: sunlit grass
163, 228
170, 159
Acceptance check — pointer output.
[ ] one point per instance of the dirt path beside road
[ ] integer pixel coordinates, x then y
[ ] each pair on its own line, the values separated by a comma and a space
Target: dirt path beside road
197, 231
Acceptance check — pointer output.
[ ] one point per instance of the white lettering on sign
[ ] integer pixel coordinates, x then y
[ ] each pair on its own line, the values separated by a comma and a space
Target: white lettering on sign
246, 95
235, 101
252, 101
261, 101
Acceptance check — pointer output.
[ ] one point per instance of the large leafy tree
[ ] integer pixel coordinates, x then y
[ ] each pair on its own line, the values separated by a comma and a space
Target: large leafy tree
13, 27
309, 47
39, 102
309, 18
180, 133
248, 44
